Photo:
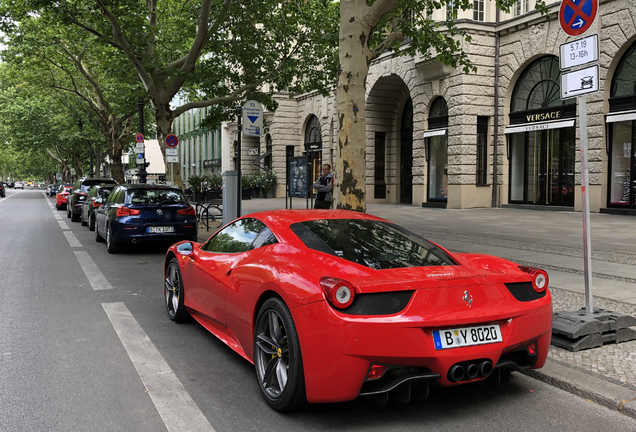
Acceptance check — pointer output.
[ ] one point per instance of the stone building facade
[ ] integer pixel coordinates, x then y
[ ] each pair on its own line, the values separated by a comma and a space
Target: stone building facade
436, 136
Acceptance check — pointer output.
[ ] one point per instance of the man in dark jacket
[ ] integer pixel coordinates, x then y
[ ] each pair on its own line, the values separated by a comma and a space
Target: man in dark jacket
324, 188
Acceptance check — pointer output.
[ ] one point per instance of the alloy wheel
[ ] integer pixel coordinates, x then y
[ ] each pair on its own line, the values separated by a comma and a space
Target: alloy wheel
172, 289
272, 358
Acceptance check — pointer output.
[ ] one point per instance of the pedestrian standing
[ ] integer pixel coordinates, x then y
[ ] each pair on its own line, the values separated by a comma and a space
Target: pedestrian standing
324, 188
204, 189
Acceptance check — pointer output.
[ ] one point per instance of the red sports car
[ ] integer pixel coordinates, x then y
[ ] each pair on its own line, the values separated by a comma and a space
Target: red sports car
332, 305
61, 198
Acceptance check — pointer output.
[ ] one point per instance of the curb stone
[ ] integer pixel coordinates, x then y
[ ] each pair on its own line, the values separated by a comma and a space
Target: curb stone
610, 395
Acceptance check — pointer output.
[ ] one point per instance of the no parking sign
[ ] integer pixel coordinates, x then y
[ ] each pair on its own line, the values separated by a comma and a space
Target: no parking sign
577, 16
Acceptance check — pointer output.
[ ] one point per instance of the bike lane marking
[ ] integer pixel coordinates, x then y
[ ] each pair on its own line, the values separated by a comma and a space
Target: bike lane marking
177, 409
94, 275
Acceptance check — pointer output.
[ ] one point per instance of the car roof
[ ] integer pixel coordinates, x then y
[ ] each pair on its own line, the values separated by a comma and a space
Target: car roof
283, 218
149, 186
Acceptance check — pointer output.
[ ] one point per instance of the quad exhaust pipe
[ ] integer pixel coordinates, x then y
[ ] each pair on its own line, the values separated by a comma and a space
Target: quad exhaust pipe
134, 241
467, 371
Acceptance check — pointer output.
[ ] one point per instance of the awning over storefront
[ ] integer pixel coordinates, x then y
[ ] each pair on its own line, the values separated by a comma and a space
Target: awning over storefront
436, 132
621, 116
530, 127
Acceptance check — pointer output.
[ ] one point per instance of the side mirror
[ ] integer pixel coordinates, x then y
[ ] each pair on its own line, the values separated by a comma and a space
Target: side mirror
185, 249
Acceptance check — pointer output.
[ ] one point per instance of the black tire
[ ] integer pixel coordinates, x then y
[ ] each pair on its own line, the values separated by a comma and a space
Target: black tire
74, 216
57, 206
277, 355
98, 237
173, 293
111, 246
91, 222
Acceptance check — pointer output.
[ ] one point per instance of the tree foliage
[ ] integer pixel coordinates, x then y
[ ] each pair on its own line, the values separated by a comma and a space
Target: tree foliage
216, 52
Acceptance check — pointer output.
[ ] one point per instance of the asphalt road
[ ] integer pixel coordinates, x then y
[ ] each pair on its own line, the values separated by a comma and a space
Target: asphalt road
71, 359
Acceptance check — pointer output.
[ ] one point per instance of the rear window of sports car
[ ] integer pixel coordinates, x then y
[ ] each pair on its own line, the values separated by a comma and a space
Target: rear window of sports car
377, 245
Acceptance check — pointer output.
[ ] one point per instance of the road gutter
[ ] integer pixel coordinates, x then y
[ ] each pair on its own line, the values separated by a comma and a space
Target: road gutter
614, 396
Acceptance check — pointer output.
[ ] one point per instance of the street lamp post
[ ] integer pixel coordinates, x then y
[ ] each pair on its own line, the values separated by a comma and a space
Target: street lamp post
141, 170
90, 171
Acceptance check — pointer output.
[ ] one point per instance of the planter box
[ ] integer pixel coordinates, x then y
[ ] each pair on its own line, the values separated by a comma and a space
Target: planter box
247, 194
256, 193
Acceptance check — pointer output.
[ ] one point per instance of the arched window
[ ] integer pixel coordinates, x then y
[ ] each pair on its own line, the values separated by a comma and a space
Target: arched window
437, 152
313, 145
624, 80
312, 134
438, 114
622, 136
538, 86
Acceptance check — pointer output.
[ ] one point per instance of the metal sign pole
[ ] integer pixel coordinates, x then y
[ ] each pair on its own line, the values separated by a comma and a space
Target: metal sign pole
585, 192
238, 164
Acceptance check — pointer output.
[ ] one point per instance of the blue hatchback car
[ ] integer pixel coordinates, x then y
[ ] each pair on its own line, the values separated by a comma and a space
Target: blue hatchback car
141, 212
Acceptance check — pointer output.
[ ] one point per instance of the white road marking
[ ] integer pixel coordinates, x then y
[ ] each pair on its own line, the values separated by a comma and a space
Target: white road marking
93, 274
57, 216
175, 406
72, 240
65, 227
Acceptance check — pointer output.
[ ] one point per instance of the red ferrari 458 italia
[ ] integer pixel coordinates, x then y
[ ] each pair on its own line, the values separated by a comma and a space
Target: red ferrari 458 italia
61, 198
332, 305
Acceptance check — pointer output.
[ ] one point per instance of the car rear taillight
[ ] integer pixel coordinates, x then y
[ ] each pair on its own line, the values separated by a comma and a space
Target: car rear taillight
539, 277
187, 211
96, 204
339, 293
125, 211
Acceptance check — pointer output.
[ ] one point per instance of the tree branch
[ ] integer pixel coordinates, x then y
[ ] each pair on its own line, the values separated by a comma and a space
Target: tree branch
376, 11
203, 34
128, 51
96, 33
389, 40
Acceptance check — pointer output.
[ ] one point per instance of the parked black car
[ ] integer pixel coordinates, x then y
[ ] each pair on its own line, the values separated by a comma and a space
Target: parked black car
89, 205
144, 213
3, 193
80, 192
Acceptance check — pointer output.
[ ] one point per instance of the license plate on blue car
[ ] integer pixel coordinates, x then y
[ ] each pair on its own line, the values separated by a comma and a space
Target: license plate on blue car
160, 229
467, 336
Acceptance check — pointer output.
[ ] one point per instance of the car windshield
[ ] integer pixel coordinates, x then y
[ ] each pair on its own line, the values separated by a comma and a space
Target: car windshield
375, 244
155, 196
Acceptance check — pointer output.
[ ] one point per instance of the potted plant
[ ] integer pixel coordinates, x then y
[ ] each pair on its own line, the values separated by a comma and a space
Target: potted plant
195, 184
246, 182
256, 182
267, 184
215, 183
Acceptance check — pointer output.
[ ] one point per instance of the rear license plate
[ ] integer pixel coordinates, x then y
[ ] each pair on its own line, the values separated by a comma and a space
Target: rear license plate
160, 229
467, 336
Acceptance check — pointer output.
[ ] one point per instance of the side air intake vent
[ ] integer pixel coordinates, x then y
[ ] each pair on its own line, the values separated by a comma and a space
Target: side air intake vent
523, 291
386, 303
